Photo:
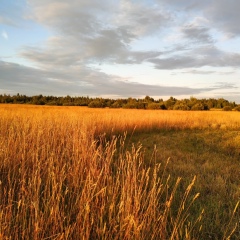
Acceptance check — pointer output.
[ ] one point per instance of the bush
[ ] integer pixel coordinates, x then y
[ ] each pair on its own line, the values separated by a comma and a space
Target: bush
68, 104
237, 108
130, 105
96, 104
227, 108
197, 107
153, 106
116, 105
181, 106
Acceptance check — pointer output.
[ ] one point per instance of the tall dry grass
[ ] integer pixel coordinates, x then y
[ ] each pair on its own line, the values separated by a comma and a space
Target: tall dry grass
124, 120
58, 181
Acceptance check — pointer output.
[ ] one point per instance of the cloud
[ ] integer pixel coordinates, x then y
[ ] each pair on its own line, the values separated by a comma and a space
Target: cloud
222, 15
142, 18
205, 72
79, 18
4, 35
197, 34
85, 33
199, 72
183, 4
80, 81
94, 32
74, 18
225, 85
63, 52
198, 57
98, 32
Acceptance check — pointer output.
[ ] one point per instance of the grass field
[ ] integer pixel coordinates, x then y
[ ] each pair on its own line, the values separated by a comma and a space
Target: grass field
80, 173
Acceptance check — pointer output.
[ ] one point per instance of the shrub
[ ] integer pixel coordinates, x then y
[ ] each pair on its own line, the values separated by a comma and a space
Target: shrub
237, 108
130, 105
153, 106
227, 108
96, 104
181, 106
116, 105
197, 106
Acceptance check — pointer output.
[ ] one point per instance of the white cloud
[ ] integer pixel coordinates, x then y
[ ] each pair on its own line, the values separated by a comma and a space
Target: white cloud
206, 72
4, 35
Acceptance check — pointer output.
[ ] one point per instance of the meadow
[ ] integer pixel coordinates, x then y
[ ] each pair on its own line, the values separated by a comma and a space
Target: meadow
80, 173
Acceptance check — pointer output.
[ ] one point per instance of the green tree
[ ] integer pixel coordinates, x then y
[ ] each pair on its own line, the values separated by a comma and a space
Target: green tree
148, 99
170, 103
198, 106
154, 106
97, 103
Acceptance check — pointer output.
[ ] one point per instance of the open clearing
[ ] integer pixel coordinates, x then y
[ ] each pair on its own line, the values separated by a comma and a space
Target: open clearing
70, 172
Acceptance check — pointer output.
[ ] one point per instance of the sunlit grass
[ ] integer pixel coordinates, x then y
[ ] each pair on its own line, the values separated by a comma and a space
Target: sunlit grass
121, 120
61, 178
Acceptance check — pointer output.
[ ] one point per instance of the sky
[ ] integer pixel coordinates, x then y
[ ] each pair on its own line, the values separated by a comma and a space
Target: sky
121, 48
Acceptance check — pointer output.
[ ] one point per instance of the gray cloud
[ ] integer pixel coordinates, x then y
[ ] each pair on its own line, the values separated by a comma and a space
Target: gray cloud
199, 72
197, 34
63, 52
34, 81
198, 57
177, 62
111, 47
225, 85
204, 72
141, 18
184, 4
89, 18
93, 31
74, 18
222, 14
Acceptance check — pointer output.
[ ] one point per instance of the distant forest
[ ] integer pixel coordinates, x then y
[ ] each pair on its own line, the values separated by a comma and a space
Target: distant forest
132, 103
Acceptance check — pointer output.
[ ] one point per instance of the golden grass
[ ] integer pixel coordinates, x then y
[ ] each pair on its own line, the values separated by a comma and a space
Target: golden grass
121, 120
58, 181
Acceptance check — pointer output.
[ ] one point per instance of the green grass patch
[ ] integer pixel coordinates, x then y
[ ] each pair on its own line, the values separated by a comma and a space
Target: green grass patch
213, 156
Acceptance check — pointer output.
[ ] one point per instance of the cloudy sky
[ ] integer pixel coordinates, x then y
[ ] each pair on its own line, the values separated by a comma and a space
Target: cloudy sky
121, 48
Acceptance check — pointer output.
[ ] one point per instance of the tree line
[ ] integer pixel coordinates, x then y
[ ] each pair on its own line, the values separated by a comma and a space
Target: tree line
133, 103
